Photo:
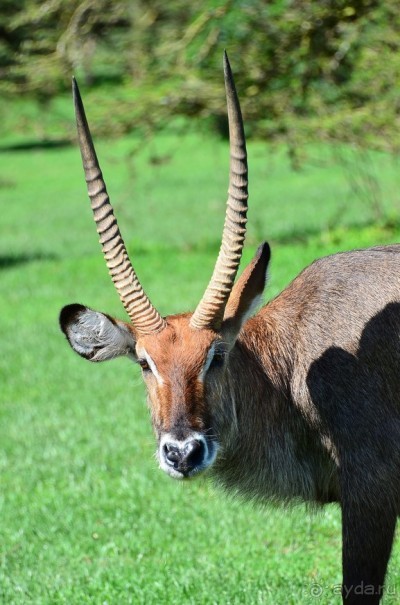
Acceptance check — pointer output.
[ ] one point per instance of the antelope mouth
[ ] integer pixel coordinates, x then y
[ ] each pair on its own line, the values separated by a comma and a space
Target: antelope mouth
182, 459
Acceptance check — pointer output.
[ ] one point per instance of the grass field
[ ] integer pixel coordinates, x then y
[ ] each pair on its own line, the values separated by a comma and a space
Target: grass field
85, 515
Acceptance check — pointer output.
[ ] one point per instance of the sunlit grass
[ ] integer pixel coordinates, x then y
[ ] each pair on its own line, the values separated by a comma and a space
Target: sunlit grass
85, 515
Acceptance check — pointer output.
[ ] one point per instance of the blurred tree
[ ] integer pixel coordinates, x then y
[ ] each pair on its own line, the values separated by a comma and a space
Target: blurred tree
330, 68
42, 42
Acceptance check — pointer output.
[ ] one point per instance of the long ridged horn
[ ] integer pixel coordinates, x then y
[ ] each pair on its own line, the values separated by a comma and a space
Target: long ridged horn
144, 316
210, 311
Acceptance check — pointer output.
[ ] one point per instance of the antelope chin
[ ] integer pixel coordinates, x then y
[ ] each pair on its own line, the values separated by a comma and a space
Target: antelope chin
183, 459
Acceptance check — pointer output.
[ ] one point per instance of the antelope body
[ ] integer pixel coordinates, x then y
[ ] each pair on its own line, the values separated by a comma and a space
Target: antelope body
298, 402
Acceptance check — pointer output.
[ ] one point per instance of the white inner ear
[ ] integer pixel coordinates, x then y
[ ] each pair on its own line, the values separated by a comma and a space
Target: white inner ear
94, 336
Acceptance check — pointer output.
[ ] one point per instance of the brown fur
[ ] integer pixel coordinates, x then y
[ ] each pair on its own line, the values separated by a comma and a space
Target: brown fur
178, 404
306, 405
300, 402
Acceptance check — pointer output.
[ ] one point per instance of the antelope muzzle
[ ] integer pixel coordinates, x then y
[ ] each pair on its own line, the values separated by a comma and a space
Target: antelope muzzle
185, 458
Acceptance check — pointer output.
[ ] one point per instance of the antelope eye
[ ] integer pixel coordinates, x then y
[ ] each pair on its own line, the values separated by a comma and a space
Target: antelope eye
144, 365
217, 360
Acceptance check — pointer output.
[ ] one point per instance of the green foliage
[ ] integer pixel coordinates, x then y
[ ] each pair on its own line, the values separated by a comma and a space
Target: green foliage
304, 69
86, 516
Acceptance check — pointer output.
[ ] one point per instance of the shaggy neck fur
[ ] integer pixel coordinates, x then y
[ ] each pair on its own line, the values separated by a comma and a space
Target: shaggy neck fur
276, 455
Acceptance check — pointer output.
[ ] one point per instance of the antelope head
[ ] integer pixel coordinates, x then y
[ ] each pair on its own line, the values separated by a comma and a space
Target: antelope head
184, 358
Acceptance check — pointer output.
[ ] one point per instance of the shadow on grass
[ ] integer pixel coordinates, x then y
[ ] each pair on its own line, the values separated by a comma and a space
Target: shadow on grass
302, 237
8, 261
32, 145
337, 234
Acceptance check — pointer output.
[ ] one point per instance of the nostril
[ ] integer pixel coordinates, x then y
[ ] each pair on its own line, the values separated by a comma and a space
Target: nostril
194, 453
184, 456
172, 454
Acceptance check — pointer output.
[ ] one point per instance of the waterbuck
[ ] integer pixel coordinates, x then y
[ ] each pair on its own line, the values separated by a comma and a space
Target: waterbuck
300, 401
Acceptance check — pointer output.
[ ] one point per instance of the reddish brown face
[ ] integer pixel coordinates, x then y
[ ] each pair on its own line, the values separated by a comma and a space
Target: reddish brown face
184, 368
176, 365
180, 359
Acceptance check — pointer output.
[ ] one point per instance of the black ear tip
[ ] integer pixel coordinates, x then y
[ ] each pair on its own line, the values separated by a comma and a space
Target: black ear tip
68, 313
264, 252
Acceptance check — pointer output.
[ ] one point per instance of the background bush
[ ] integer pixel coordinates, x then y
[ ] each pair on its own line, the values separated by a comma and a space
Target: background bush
304, 69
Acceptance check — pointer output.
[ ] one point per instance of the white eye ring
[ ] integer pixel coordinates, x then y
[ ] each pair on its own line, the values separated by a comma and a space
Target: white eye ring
215, 359
148, 366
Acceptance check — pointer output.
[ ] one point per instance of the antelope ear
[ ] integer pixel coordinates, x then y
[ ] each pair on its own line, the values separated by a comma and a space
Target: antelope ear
96, 336
246, 294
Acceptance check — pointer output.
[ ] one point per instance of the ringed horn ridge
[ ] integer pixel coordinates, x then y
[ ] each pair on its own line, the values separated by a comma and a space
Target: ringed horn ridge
144, 316
210, 311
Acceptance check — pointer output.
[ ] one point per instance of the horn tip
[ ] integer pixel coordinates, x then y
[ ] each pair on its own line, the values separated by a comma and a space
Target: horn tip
75, 90
227, 67
76, 95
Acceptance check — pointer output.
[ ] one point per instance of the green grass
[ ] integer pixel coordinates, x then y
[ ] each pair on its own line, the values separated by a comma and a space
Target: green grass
85, 515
